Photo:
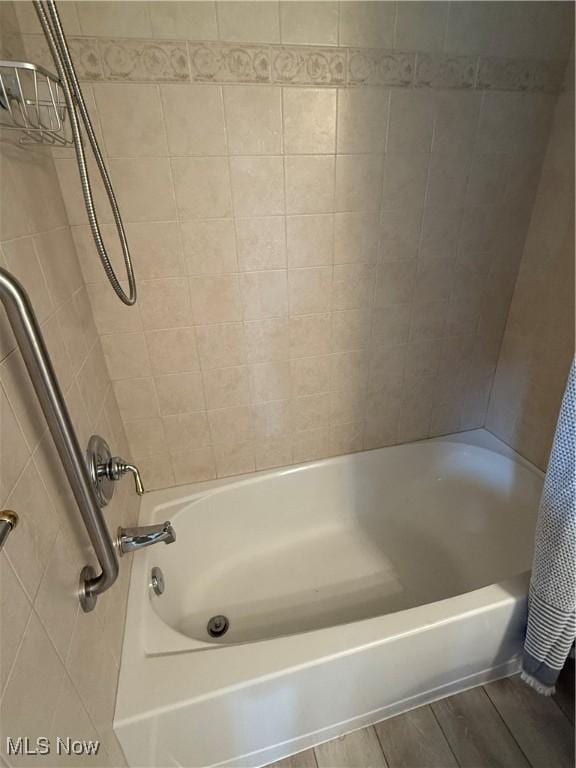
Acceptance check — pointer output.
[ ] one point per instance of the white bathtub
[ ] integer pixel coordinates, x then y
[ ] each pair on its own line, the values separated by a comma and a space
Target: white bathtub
355, 587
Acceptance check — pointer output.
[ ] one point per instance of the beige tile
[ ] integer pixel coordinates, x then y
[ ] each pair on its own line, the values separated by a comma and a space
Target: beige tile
367, 24
434, 280
457, 114
29, 551
428, 320
261, 243
192, 21
310, 335
391, 325
156, 472
110, 315
220, 346
353, 286
311, 411
395, 282
347, 438
400, 233
28, 21
110, 19
362, 120
126, 355
93, 382
356, 238
310, 240
311, 375
14, 614
202, 187
350, 329
156, 249
96, 690
405, 177
22, 261
309, 184
194, 466
131, 118
423, 358
143, 187
59, 264
264, 294
309, 290
275, 452
381, 428
269, 381
194, 117
32, 704
209, 246
411, 121
421, 26
266, 340
136, 398
272, 420
309, 23
215, 299
15, 452
172, 350
257, 185
227, 387
145, 437
440, 231
186, 431
165, 303
447, 179
309, 117
231, 426
90, 263
23, 422
253, 119
358, 182
179, 393
470, 27
487, 182
350, 371
56, 604
253, 22
234, 459
311, 444
386, 368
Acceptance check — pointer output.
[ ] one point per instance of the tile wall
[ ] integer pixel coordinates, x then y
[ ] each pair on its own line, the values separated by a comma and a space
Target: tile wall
538, 343
322, 268
327, 205
58, 666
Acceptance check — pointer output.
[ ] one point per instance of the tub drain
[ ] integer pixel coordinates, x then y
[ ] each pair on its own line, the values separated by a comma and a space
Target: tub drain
218, 626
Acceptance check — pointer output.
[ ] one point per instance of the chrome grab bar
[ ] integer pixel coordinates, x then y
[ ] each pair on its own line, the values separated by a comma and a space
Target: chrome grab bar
8, 521
39, 366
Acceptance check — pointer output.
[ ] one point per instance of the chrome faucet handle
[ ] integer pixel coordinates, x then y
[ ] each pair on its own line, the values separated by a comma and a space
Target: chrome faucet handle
131, 539
116, 467
106, 469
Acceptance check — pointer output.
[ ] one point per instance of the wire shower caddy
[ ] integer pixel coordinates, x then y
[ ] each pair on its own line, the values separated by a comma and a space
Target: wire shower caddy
32, 102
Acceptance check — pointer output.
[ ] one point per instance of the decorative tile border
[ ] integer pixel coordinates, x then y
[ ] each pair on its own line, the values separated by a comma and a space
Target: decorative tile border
206, 62
440, 71
138, 61
222, 63
308, 66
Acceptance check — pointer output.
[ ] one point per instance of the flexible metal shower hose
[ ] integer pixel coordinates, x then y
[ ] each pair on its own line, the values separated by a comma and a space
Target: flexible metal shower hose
52, 27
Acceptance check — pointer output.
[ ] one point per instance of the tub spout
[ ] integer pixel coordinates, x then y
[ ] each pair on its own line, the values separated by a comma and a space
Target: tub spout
131, 539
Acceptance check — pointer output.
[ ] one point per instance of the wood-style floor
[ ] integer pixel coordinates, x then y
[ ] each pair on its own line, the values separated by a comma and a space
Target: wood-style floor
503, 724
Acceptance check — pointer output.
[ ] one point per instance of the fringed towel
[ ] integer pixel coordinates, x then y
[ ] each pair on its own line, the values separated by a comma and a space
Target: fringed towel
552, 599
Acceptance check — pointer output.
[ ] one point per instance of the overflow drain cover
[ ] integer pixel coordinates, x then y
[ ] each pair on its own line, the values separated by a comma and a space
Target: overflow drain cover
218, 626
